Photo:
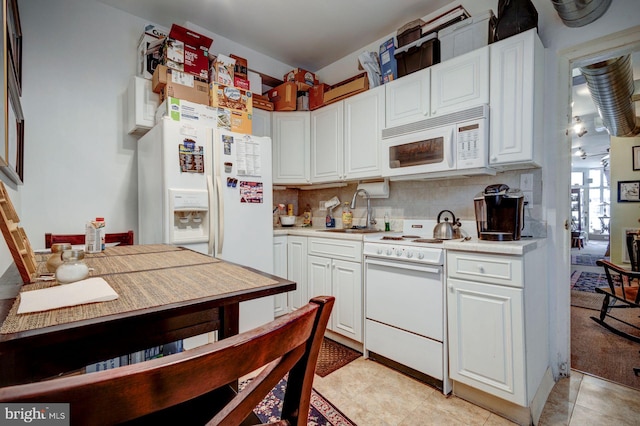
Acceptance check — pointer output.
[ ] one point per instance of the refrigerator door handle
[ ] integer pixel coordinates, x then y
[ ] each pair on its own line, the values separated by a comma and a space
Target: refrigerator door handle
211, 216
220, 215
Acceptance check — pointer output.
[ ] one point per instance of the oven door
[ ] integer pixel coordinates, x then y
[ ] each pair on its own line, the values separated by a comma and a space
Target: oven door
432, 150
405, 295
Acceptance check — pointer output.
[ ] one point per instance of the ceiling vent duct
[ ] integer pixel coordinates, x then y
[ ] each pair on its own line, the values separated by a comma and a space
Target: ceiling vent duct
611, 85
577, 13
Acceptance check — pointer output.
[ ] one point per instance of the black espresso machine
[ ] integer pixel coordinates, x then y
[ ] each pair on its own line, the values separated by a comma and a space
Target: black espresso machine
499, 213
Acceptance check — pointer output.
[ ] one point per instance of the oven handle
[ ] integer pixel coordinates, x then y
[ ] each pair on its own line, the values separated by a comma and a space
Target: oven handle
403, 265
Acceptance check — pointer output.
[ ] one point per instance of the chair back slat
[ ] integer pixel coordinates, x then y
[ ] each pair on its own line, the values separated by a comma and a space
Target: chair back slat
288, 345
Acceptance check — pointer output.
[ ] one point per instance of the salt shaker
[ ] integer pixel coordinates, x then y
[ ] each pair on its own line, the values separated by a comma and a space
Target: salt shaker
73, 267
55, 259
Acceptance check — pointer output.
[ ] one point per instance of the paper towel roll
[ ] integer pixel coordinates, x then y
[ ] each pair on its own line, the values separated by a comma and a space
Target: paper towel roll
376, 189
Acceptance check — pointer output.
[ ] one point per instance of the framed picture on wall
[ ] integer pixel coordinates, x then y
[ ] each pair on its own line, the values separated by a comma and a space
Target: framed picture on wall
636, 157
629, 191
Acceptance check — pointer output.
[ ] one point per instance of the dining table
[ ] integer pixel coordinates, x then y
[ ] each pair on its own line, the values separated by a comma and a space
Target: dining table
165, 293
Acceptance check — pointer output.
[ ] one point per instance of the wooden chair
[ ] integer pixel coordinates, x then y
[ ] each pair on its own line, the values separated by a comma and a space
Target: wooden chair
621, 292
124, 238
187, 387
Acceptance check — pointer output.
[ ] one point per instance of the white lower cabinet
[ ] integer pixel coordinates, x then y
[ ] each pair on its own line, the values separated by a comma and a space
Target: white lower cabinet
297, 270
281, 305
498, 325
330, 274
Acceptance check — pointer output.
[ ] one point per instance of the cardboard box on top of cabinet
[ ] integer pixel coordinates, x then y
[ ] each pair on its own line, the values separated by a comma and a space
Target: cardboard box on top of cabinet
195, 51
148, 60
300, 75
230, 97
284, 96
223, 70
235, 121
316, 95
181, 110
388, 61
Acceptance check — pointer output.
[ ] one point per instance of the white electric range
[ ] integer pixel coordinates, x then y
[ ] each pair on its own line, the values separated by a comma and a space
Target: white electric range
405, 302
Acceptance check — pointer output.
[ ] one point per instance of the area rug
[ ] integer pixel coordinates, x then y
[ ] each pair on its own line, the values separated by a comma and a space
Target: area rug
586, 300
332, 356
599, 352
585, 259
587, 281
321, 411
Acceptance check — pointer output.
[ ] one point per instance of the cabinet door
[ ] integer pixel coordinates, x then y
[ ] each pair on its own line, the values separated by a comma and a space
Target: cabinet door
297, 270
486, 338
363, 123
281, 306
347, 288
517, 67
461, 82
318, 276
291, 144
327, 143
261, 123
407, 98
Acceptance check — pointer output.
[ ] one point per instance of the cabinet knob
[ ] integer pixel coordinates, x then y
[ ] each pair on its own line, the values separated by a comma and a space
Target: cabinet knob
481, 268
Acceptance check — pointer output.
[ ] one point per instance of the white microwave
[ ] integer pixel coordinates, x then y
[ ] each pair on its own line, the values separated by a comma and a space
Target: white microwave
448, 143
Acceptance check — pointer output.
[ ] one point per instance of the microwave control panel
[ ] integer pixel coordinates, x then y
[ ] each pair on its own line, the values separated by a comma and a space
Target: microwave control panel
471, 143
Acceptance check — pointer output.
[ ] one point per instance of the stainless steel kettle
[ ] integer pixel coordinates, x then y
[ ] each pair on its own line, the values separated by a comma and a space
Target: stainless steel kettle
447, 230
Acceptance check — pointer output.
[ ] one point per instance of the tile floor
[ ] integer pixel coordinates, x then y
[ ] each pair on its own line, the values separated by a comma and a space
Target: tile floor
371, 394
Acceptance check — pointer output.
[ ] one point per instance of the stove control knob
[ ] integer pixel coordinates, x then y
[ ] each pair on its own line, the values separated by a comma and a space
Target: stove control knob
389, 252
399, 253
420, 255
409, 254
379, 251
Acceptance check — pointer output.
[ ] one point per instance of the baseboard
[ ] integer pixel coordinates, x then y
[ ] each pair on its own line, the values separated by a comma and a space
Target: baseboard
514, 412
356, 346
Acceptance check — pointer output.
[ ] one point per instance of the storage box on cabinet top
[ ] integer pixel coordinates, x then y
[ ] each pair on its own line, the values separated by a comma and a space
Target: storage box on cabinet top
196, 47
240, 71
177, 84
420, 54
234, 121
346, 88
316, 95
230, 97
301, 76
181, 110
465, 36
284, 96
388, 63
409, 32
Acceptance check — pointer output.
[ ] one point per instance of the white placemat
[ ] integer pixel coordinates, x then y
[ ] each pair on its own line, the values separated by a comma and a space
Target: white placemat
86, 291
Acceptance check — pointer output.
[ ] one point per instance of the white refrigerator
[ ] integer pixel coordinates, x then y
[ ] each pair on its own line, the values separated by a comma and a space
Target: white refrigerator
210, 190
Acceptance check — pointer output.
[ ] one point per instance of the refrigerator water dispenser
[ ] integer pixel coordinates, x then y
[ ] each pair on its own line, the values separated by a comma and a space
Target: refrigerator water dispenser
190, 216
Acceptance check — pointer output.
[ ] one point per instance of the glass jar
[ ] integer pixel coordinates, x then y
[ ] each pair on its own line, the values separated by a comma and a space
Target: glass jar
55, 259
73, 267
347, 216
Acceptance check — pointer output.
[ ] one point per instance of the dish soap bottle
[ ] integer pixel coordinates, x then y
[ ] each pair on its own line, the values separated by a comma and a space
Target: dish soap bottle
387, 225
347, 216
307, 216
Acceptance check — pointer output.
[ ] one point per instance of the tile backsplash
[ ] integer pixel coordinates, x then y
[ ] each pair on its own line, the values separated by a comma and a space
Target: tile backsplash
418, 200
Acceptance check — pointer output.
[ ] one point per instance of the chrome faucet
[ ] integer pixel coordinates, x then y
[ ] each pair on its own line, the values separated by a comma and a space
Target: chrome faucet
370, 219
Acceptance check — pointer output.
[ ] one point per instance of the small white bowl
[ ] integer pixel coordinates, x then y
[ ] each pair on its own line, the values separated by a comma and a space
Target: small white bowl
287, 220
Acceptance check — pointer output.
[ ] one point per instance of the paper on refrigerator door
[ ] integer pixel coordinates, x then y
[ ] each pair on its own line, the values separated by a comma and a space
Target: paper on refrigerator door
248, 157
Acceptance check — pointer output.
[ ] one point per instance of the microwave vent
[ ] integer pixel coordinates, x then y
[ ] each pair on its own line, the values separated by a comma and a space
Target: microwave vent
481, 111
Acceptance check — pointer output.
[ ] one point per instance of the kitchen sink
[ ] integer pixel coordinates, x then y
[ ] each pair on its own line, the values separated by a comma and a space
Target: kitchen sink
353, 230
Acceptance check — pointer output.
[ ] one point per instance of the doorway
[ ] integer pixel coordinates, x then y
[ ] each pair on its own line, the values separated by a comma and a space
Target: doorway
591, 216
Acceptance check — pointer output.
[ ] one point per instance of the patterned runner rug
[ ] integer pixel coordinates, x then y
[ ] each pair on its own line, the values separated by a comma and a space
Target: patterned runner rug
332, 356
587, 281
321, 411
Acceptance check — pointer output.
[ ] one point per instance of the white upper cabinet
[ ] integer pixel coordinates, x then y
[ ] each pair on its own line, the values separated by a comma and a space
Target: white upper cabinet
407, 98
363, 123
261, 123
461, 82
291, 147
345, 136
517, 71
327, 143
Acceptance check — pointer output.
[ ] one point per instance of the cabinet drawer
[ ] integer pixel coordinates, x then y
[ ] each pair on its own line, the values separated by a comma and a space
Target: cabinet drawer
336, 249
488, 268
